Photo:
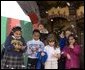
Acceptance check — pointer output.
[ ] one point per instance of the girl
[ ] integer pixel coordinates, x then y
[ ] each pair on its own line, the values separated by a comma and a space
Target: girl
71, 52
14, 48
53, 52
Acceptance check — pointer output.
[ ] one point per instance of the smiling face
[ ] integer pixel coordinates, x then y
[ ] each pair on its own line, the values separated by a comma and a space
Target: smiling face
41, 27
17, 34
71, 40
36, 36
51, 43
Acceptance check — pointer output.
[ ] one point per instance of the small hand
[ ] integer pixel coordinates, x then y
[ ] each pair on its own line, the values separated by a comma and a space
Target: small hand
68, 56
34, 49
71, 46
61, 35
54, 54
23, 47
42, 53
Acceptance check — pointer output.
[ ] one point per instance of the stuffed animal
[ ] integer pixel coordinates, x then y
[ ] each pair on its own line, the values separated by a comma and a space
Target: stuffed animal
17, 44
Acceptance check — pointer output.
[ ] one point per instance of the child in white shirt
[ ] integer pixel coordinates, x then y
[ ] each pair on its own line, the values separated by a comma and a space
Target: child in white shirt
53, 52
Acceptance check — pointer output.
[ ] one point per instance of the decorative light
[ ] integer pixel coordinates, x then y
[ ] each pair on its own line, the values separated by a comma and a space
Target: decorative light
46, 12
68, 3
7, 66
23, 66
81, 33
72, 26
51, 19
76, 35
12, 68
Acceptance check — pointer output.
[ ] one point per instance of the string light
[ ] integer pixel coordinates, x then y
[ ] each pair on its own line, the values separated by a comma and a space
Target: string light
51, 19
46, 12
23, 66
68, 3
72, 26
12, 68
76, 35
7, 66
81, 33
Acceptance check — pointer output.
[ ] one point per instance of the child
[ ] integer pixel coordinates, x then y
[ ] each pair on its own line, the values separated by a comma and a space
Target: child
33, 47
63, 37
62, 40
53, 52
71, 52
62, 43
14, 48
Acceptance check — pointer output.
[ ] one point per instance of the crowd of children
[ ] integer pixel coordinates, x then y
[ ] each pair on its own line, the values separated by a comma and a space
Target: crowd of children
54, 54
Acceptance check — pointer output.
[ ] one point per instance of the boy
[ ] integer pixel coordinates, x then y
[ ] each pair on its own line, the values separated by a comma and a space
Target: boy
33, 47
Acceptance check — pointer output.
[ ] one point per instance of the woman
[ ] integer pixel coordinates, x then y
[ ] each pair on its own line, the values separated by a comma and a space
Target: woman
43, 33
